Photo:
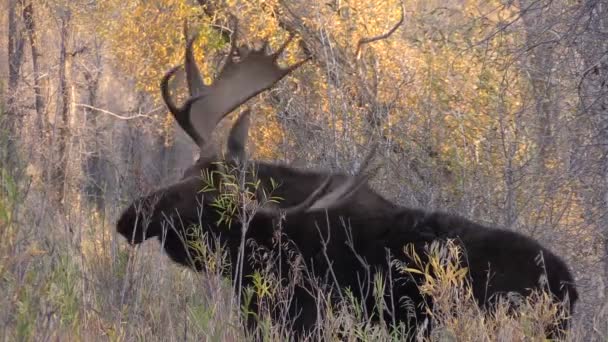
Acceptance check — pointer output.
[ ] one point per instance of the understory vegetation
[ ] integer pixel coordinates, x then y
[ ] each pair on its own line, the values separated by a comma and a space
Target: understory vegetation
493, 110
59, 288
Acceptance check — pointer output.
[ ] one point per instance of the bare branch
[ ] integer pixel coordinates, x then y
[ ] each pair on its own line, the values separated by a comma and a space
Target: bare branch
118, 116
385, 35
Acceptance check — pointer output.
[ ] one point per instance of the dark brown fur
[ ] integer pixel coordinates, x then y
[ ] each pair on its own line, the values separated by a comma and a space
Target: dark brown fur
365, 229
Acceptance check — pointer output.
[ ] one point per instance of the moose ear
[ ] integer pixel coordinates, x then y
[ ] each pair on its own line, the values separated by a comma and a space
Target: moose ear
237, 139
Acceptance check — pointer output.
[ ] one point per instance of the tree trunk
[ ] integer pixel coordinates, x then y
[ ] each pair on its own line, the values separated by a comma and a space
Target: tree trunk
62, 131
594, 104
95, 182
15, 59
30, 27
536, 17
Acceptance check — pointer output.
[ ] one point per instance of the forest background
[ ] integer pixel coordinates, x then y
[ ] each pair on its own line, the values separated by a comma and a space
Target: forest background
494, 110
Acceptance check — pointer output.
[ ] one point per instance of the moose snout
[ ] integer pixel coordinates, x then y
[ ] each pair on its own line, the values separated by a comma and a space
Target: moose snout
127, 226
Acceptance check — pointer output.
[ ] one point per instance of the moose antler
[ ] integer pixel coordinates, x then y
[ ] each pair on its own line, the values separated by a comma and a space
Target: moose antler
237, 82
343, 193
321, 200
181, 114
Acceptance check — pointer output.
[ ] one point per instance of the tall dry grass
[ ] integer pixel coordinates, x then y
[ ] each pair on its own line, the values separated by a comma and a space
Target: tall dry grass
66, 275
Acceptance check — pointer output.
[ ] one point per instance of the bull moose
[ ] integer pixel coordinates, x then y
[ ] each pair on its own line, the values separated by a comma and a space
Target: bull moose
333, 227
